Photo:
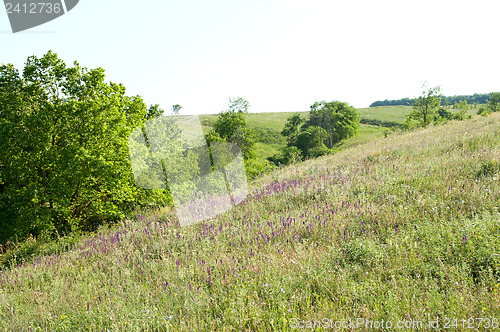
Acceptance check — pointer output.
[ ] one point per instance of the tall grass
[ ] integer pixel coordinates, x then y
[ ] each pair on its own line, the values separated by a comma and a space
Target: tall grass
403, 227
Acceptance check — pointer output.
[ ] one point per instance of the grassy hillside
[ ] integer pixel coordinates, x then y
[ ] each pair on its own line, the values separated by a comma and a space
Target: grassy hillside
400, 228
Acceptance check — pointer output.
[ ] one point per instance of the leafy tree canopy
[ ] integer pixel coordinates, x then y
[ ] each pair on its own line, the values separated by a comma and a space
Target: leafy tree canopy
494, 102
328, 123
426, 106
64, 140
340, 120
292, 128
231, 126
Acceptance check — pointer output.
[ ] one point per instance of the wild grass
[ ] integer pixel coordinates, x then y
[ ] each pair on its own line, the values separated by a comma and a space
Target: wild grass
403, 227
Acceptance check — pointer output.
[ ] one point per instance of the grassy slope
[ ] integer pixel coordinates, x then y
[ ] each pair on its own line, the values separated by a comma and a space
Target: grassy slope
399, 228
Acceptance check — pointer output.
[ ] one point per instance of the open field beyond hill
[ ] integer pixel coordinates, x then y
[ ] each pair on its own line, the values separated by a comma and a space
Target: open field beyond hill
403, 228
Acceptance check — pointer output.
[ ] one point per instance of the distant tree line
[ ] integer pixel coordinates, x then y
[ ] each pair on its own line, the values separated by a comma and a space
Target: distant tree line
445, 101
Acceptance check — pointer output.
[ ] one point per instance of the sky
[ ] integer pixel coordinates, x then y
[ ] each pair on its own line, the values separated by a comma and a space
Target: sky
280, 55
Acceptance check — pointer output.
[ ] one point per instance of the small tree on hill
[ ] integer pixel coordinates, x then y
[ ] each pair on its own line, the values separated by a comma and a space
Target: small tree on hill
338, 119
231, 126
311, 142
426, 106
291, 129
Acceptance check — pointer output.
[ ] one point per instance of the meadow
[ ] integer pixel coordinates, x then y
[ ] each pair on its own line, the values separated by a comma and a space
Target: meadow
397, 228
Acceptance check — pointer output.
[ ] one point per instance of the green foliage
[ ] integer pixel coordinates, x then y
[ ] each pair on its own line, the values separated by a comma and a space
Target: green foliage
426, 106
444, 114
291, 155
380, 123
287, 156
328, 124
64, 140
483, 111
291, 129
268, 136
176, 109
231, 125
255, 168
154, 111
311, 142
340, 120
494, 102
463, 108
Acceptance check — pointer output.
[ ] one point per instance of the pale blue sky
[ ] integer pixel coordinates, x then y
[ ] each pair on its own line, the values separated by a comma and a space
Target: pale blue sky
281, 55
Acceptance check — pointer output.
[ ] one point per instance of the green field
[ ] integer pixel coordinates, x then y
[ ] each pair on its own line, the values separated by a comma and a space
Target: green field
400, 229
386, 113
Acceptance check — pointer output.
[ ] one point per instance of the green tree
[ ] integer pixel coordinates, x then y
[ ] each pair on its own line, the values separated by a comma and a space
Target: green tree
311, 142
288, 155
291, 129
443, 113
154, 111
338, 119
231, 126
494, 102
426, 106
176, 109
64, 141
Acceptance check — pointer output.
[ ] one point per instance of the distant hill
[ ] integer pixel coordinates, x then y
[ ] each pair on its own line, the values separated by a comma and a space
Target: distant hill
445, 100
